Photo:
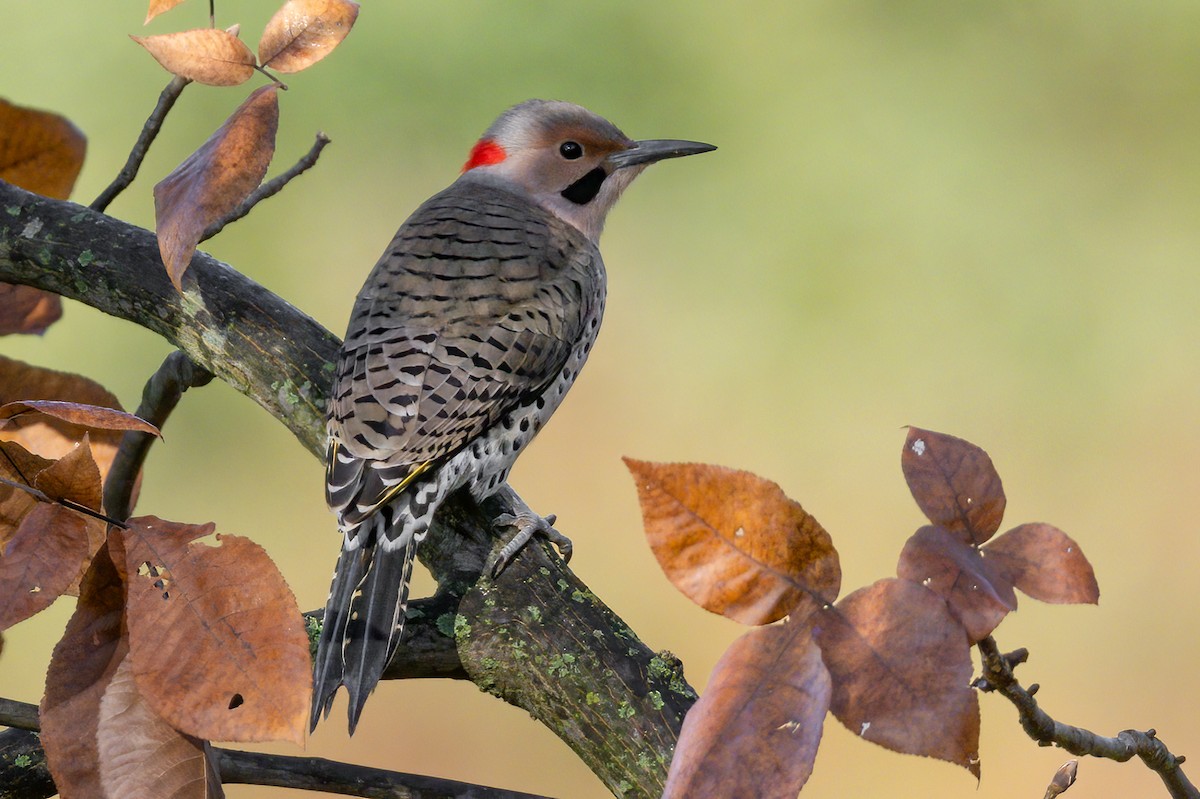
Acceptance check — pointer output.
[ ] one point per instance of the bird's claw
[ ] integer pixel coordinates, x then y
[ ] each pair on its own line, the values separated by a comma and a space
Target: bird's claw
528, 525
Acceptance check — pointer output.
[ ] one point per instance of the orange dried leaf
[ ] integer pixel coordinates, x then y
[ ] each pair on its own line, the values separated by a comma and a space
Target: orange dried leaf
733, 542
141, 755
24, 309
81, 668
954, 483
218, 646
205, 55
756, 730
977, 593
901, 665
39, 151
214, 180
159, 7
1045, 563
302, 32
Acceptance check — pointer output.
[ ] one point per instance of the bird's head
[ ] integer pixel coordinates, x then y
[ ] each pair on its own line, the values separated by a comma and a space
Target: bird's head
571, 161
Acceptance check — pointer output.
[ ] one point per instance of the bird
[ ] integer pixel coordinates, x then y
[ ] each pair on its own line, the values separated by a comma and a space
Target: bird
463, 341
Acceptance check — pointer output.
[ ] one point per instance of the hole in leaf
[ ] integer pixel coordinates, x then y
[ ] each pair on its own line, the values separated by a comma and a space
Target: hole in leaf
236, 701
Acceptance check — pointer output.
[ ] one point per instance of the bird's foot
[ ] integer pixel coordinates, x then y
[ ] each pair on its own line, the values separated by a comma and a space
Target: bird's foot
528, 524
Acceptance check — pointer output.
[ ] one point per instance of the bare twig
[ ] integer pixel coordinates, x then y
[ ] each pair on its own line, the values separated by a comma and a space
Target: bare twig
271, 187
163, 390
149, 131
998, 676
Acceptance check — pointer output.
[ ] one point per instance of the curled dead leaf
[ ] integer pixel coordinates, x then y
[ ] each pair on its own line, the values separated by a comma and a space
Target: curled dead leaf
302, 32
46, 435
77, 413
733, 542
206, 55
213, 181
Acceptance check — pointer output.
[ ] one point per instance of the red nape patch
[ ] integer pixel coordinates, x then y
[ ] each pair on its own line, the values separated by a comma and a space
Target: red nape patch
485, 153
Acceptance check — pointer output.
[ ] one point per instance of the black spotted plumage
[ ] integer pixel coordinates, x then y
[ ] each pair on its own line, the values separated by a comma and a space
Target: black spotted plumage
480, 302
463, 341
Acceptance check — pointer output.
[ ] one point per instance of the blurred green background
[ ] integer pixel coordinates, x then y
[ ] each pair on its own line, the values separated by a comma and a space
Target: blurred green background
980, 218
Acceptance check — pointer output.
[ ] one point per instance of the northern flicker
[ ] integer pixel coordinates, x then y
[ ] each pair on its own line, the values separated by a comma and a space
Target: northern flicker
464, 339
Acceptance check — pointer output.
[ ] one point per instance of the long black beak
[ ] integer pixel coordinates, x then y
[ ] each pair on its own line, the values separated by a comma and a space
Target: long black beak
651, 150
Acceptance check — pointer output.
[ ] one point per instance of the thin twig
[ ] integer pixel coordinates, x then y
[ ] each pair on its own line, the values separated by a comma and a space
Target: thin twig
163, 390
271, 187
138, 154
998, 676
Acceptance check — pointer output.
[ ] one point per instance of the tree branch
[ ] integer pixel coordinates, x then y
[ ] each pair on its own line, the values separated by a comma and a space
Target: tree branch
998, 676
270, 188
150, 130
160, 396
536, 636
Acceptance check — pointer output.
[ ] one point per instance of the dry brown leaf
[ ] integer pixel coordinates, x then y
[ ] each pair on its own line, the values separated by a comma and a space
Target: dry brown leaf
302, 32
77, 413
159, 7
954, 483
733, 542
39, 151
43, 153
214, 180
49, 437
44, 557
901, 665
219, 649
48, 547
1045, 563
141, 755
978, 593
206, 55
756, 729
81, 668
24, 309
19, 466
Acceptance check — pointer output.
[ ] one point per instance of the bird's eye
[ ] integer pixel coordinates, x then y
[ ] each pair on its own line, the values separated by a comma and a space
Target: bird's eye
570, 150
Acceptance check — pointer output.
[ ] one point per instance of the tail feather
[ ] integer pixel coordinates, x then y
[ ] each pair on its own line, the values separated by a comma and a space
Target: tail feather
376, 623
328, 668
364, 618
